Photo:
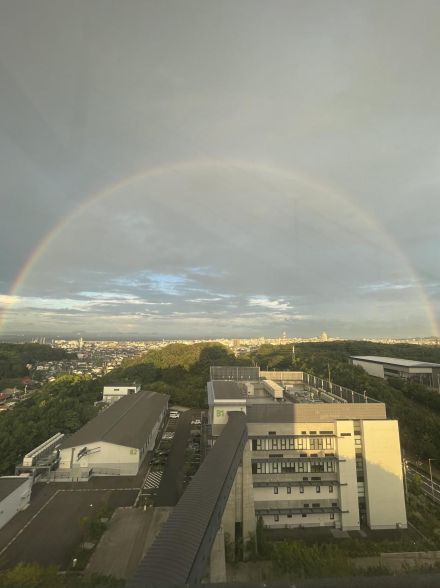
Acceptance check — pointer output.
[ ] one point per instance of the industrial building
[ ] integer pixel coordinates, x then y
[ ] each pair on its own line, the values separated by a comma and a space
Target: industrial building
116, 441
317, 454
15, 494
422, 372
117, 391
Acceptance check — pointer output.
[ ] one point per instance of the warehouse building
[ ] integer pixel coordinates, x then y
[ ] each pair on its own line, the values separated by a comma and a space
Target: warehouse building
317, 455
422, 372
116, 441
15, 494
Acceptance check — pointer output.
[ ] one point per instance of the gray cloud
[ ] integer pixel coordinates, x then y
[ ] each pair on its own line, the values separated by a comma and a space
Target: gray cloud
344, 96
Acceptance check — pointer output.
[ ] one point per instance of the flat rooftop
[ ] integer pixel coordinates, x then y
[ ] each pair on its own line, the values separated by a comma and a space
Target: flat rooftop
395, 361
228, 390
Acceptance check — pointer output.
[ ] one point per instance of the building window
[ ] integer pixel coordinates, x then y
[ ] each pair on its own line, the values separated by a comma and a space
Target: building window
328, 443
318, 489
306, 505
330, 489
289, 490
358, 442
317, 443
304, 516
334, 504
275, 490
301, 443
332, 516
276, 518
272, 432
289, 516
316, 504
301, 489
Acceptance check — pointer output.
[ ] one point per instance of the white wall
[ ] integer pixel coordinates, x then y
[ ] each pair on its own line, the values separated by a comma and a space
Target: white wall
347, 475
297, 520
16, 501
107, 455
374, 369
114, 393
383, 475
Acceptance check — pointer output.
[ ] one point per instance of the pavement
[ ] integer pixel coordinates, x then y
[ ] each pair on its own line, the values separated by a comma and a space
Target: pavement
54, 514
125, 542
49, 531
171, 484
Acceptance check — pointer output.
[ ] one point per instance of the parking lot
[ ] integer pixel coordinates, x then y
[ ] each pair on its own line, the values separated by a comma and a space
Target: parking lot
50, 529
170, 472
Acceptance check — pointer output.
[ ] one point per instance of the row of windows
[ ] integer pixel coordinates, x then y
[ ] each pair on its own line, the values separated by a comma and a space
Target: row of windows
292, 443
293, 467
276, 518
301, 489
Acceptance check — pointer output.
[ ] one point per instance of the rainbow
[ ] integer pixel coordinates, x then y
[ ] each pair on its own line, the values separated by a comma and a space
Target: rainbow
224, 165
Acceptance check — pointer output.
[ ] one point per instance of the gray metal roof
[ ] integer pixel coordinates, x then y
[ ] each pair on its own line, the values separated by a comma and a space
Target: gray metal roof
126, 422
10, 483
395, 361
181, 551
225, 390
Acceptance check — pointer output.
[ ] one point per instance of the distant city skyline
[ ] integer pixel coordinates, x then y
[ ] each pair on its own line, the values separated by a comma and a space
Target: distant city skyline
183, 170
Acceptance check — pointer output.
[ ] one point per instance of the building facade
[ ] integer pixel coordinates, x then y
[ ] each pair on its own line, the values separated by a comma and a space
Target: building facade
317, 455
117, 391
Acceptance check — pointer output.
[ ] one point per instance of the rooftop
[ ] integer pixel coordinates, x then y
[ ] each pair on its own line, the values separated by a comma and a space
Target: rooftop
127, 422
10, 483
395, 361
228, 390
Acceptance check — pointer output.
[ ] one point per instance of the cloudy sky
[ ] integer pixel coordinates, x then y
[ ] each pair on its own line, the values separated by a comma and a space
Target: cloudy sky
219, 168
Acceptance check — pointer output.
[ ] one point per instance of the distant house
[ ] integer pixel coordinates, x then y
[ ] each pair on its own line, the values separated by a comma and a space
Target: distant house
118, 391
15, 495
422, 372
116, 441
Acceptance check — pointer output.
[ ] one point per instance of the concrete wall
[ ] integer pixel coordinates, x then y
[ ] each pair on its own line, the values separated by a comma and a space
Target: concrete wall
383, 475
16, 501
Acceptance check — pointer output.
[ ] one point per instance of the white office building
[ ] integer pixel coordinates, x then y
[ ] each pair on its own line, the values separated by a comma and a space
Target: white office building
317, 454
117, 391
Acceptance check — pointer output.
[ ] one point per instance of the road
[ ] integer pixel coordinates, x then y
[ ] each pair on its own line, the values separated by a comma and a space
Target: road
171, 485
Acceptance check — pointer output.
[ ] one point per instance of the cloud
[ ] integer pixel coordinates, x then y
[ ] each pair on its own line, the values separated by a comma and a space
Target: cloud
265, 302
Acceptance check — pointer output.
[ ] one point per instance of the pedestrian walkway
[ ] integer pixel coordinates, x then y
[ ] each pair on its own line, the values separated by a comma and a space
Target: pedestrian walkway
152, 481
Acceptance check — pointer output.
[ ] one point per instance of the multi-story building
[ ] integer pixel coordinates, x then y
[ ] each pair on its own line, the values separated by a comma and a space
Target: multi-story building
317, 454
117, 391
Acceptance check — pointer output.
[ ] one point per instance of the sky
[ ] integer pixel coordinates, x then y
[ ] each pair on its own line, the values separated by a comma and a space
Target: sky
219, 169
